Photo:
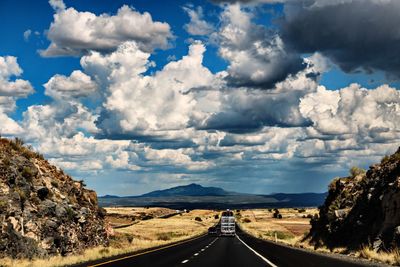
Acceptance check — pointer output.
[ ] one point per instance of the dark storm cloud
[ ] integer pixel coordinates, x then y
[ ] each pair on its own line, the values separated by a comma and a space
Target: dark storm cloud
248, 111
354, 34
256, 54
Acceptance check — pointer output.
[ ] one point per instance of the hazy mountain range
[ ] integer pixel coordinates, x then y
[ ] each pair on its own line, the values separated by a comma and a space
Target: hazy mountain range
197, 196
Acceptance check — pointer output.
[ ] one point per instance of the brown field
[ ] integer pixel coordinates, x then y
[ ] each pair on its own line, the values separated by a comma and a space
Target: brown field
290, 229
143, 234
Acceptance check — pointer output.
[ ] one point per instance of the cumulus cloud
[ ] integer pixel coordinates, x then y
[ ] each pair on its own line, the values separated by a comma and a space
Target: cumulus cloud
57, 5
138, 104
9, 126
257, 56
76, 85
58, 119
17, 88
197, 25
75, 33
123, 161
370, 115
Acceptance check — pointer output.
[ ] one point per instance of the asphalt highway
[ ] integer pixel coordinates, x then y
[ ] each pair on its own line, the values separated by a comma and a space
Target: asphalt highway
241, 250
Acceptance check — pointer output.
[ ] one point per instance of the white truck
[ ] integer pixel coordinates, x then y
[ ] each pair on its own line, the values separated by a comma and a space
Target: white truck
227, 223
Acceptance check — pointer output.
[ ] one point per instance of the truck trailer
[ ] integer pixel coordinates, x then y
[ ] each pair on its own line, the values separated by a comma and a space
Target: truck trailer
227, 223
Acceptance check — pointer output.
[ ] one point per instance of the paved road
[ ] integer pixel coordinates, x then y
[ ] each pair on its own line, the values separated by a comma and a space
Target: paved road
242, 250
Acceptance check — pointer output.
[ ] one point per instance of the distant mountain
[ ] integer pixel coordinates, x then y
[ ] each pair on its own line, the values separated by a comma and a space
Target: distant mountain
196, 196
300, 199
189, 190
109, 196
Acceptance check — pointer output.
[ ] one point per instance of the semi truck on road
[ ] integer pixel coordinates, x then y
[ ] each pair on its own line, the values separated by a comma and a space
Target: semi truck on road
227, 223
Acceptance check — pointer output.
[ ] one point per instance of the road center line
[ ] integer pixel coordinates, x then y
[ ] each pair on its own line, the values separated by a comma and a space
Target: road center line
258, 254
185, 261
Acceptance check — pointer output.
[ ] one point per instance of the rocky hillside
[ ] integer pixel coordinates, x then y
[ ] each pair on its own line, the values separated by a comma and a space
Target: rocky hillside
43, 211
362, 209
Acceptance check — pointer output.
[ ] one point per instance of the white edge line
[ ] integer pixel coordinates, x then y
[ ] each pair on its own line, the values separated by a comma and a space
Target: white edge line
258, 254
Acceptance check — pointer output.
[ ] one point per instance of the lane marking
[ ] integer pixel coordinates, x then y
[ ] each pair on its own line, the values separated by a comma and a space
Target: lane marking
258, 254
146, 252
196, 254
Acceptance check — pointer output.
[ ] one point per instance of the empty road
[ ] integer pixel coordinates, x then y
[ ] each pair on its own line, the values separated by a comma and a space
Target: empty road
242, 250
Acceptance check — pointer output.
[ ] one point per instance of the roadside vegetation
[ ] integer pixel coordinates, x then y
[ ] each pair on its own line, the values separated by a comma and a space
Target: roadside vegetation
141, 235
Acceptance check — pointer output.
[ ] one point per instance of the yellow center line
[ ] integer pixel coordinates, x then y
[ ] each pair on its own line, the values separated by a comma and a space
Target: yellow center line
147, 252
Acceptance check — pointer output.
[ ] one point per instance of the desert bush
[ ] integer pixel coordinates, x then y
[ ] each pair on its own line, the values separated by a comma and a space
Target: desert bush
216, 216
3, 205
198, 219
165, 236
301, 210
277, 215
385, 159
355, 171
54, 183
70, 213
27, 173
246, 220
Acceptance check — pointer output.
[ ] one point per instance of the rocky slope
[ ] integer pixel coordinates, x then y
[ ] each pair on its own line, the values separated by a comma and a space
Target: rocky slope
43, 211
362, 209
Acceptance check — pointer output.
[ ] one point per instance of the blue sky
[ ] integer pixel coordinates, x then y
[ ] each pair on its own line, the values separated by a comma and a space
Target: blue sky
133, 96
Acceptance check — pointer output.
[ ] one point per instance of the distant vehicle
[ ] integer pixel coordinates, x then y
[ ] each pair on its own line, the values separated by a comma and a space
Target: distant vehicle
227, 223
213, 231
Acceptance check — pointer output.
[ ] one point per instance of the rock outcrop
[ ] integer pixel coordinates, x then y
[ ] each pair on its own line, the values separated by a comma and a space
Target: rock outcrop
43, 211
362, 209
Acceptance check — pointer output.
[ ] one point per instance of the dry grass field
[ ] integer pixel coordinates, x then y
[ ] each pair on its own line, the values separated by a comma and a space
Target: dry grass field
147, 231
290, 229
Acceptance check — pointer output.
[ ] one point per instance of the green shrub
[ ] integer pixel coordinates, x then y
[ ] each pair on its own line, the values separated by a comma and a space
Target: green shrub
198, 219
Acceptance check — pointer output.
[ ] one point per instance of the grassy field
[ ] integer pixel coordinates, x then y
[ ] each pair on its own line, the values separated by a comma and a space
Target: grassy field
147, 231
290, 229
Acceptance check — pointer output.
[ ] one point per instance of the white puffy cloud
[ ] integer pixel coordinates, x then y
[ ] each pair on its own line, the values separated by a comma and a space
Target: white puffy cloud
60, 119
10, 90
9, 126
197, 25
373, 115
17, 88
123, 161
57, 5
76, 85
75, 33
142, 104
